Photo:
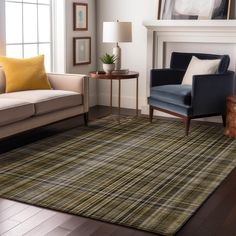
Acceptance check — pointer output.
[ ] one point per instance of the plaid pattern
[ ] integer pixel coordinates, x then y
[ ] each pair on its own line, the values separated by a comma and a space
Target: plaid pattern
137, 174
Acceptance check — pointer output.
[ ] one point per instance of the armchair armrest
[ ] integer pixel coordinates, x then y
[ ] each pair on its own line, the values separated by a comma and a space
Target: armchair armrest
166, 76
209, 92
71, 82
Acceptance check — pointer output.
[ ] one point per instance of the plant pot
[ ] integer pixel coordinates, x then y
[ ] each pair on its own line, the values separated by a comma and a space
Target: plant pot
108, 68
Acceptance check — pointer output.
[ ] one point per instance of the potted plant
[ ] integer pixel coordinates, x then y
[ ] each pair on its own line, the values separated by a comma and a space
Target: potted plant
108, 62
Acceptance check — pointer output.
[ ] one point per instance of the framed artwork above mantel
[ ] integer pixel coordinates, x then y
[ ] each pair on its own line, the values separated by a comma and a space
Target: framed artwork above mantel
194, 9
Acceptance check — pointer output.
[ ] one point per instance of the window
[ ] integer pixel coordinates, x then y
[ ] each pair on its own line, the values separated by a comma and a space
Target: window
28, 29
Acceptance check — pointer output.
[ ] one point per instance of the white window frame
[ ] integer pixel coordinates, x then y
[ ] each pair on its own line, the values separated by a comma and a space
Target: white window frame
58, 34
50, 42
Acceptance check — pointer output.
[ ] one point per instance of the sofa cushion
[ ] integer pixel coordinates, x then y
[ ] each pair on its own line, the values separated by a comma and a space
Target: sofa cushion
173, 94
13, 110
46, 101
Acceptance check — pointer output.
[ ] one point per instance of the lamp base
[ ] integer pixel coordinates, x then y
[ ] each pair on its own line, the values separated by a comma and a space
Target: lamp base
117, 53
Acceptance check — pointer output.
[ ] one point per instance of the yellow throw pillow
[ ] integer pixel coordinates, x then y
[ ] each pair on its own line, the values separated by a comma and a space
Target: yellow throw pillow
24, 74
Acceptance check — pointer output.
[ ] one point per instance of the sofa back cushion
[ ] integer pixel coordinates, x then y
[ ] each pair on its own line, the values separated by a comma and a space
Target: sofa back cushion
2, 81
181, 60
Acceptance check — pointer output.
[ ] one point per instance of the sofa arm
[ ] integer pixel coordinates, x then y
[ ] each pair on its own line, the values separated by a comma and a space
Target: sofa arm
209, 92
71, 82
166, 76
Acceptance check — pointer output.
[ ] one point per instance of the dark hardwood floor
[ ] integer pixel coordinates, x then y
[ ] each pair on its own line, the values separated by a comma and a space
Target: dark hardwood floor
216, 217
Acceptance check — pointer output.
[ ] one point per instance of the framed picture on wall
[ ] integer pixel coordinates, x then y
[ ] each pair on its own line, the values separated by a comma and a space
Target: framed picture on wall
158, 6
221, 9
82, 50
192, 9
80, 16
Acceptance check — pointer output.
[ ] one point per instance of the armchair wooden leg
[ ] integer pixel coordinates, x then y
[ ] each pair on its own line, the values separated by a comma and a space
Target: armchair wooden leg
224, 119
150, 113
86, 119
187, 125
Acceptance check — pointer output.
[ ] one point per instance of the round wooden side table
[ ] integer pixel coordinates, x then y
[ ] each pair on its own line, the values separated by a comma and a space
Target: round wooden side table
230, 129
130, 75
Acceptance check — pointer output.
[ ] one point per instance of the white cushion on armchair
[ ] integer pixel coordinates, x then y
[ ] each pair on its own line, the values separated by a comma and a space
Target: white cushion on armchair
200, 67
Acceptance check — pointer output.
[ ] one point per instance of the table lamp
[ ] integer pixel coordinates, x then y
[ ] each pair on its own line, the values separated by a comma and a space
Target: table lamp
117, 32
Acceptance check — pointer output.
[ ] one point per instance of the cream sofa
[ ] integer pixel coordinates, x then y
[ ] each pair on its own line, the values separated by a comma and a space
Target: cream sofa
25, 110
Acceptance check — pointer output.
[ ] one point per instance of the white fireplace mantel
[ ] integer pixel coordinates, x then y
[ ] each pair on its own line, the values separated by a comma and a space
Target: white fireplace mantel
187, 31
190, 25
160, 32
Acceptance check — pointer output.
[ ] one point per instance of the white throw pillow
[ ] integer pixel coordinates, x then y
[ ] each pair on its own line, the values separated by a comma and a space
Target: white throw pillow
200, 67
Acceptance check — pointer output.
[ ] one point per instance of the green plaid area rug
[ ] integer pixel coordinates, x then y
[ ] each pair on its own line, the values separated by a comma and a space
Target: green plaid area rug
146, 176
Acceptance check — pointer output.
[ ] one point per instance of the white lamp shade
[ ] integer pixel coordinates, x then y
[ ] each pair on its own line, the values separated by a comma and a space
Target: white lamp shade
115, 32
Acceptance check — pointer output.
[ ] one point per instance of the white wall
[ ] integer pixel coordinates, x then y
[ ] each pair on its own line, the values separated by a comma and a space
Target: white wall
59, 36
70, 33
133, 54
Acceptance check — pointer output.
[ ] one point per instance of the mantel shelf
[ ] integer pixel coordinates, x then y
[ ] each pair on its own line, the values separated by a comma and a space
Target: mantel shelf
190, 25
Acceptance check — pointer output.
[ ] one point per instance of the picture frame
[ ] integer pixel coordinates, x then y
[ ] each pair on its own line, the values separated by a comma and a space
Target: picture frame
80, 16
194, 10
158, 7
81, 50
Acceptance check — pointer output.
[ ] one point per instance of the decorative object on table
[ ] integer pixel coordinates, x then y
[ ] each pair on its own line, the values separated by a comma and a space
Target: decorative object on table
108, 62
133, 174
230, 129
121, 71
100, 72
117, 32
82, 50
205, 97
192, 9
80, 16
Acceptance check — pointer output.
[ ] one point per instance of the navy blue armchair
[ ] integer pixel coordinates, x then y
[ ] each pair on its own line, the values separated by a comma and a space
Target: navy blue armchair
205, 97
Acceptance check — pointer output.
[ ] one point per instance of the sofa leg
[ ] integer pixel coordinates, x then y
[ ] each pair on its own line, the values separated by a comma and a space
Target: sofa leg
86, 119
150, 113
187, 125
224, 119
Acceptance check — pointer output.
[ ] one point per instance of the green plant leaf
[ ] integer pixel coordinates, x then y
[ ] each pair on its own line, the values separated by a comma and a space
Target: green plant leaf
108, 59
